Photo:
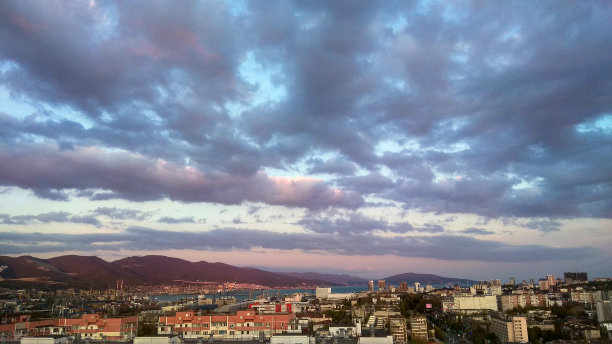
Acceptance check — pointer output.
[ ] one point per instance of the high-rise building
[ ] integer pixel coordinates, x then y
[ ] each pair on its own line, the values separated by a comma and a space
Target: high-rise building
370, 285
417, 286
575, 277
512, 281
552, 281
381, 285
403, 286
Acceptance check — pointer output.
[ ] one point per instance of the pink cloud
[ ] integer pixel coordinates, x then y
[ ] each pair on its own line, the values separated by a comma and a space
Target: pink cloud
136, 177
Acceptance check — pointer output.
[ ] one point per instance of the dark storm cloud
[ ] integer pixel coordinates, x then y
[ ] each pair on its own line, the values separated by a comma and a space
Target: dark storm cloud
481, 108
138, 178
438, 246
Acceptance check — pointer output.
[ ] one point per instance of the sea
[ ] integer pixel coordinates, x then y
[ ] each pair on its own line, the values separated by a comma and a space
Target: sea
242, 295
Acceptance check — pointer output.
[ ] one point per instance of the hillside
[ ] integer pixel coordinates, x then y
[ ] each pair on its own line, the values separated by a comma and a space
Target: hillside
88, 271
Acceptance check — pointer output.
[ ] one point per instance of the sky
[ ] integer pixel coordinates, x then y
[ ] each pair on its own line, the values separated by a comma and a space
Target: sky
470, 139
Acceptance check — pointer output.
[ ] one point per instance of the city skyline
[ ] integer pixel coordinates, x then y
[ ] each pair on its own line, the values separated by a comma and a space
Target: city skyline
469, 139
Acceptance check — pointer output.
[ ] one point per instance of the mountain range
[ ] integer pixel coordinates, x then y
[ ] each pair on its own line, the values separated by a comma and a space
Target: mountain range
91, 271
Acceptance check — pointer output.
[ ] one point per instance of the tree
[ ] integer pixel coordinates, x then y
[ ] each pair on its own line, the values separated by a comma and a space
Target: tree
438, 333
147, 326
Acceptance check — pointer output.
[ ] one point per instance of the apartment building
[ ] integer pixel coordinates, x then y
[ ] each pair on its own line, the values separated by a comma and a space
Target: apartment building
514, 301
244, 325
418, 327
586, 296
513, 330
604, 311
398, 329
90, 326
467, 303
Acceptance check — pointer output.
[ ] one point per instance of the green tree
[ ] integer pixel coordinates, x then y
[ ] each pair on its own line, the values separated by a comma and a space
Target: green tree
147, 326
438, 333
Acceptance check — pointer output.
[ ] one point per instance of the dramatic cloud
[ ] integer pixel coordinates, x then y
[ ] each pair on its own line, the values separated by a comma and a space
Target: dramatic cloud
436, 109
137, 178
323, 118
439, 246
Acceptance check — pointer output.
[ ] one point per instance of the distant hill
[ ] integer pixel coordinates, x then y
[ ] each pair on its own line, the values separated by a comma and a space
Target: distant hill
424, 279
332, 279
156, 269
87, 271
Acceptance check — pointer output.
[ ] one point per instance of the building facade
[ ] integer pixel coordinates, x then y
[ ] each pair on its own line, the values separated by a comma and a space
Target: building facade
244, 325
90, 326
575, 277
513, 330
604, 311
418, 327
398, 329
471, 303
523, 300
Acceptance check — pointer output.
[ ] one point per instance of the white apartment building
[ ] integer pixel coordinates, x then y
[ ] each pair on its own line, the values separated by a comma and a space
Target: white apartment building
469, 302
